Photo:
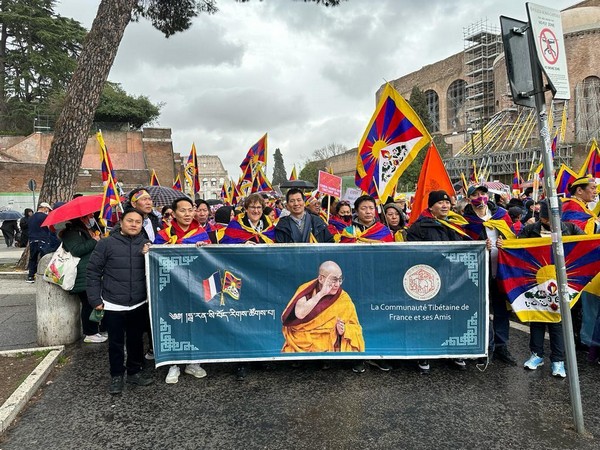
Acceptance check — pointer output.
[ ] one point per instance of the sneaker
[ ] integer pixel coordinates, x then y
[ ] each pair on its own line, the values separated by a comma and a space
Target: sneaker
459, 364
116, 385
30, 280
359, 367
502, 354
95, 339
533, 362
195, 370
558, 369
381, 364
173, 375
140, 379
424, 367
149, 355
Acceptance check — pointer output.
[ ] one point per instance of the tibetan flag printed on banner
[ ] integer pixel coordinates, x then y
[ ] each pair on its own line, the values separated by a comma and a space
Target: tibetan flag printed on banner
232, 285
527, 274
211, 286
393, 138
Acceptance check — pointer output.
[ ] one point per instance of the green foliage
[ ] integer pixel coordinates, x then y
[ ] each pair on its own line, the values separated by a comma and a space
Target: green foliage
279, 174
310, 172
38, 53
173, 16
117, 106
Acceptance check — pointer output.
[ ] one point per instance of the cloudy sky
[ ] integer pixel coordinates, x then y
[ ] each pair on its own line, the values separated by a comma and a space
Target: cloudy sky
304, 73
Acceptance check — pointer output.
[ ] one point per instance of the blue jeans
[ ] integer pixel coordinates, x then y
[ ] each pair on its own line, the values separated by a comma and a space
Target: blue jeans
536, 340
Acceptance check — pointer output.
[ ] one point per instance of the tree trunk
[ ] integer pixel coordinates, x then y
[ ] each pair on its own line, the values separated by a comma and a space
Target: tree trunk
83, 94
3, 42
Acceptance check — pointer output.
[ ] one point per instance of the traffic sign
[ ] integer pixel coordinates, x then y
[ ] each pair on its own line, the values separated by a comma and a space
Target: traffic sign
546, 28
31, 184
518, 67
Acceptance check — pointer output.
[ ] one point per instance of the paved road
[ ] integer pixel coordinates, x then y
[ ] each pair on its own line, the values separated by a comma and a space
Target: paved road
280, 407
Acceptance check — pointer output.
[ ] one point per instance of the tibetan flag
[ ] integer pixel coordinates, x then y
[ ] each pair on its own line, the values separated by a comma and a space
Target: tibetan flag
211, 286
191, 171
256, 155
527, 274
516, 181
554, 143
245, 182
591, 166
106, 163
293, 175
433, 177
261, 182
473, 173
393, 138
154, 179
109, 199
564, 177
237, 232
375, 233
232, 285
225, 193
577, 212
177, 184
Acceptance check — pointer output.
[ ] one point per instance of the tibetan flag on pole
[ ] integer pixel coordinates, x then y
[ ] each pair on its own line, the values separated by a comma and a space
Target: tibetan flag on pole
591, 166
516, 181
225, 193
564, 177
433, 177
527, 274
106, 164
154, 179
261, 182
177, 184
191, 171
392, 140
293, 175
257, 155
473, 173
109, 199
211, 286
554, 143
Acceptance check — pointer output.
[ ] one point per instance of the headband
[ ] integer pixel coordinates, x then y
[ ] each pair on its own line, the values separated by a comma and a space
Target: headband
138, 195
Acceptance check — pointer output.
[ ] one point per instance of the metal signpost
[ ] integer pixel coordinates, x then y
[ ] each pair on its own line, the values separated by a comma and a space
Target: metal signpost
32, 185
531, 49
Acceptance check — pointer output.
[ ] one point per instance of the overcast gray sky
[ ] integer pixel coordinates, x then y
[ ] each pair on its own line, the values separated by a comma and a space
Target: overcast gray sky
304, 73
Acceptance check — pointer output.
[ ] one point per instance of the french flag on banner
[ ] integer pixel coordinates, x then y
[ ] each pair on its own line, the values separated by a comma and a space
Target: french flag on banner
211, 286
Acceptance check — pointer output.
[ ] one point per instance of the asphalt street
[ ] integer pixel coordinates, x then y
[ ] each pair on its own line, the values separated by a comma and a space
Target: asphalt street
283, 407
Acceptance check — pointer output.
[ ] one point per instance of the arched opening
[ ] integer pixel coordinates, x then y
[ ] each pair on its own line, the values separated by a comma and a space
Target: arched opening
587, 109
455, 105
433, 107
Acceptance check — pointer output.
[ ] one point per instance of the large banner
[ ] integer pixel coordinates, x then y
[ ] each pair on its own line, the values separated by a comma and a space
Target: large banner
310, 301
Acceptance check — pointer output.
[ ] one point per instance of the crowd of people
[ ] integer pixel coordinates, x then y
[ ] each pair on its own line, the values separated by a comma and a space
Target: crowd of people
260, 220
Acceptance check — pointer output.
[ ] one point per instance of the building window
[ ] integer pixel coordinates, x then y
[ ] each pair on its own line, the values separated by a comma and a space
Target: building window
587, 109
433, 106
455, 105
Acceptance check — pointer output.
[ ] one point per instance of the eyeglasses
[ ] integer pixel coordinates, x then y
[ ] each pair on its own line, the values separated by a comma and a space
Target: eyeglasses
334, 280
255, 207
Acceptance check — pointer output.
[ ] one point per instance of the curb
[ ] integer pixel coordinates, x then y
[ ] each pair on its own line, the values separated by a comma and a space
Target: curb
17, 401
13, 275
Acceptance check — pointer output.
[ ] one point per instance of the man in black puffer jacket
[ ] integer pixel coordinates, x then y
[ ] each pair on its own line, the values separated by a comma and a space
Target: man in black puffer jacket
116, 284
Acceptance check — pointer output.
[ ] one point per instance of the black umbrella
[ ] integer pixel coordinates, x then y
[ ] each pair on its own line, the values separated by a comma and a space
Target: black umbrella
300, 184
10, 214
163, 195
214, 201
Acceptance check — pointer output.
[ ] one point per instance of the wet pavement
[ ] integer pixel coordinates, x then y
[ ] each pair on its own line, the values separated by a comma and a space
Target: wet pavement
282, 407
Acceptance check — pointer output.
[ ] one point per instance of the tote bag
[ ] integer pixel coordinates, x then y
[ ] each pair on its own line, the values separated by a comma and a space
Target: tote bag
62, 269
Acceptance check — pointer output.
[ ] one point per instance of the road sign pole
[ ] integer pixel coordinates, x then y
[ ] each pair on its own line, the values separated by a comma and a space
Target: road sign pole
557, 243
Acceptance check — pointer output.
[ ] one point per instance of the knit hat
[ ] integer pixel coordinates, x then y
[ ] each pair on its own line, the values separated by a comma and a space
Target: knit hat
437, 196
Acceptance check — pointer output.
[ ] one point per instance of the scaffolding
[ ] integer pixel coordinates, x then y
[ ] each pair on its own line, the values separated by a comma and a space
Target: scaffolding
483, 44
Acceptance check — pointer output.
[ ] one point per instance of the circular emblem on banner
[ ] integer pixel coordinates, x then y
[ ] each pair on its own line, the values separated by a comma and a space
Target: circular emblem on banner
422, 282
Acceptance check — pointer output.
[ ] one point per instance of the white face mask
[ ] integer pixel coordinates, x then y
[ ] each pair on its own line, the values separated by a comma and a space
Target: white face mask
91, 223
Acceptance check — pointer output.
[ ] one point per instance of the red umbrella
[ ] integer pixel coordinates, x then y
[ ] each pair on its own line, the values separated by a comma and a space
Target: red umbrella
78, 207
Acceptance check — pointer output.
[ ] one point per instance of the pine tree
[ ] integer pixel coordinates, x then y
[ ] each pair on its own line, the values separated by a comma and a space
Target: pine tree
279, 175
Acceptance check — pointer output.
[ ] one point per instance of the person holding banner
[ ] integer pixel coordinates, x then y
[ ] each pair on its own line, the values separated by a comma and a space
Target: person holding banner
488, 222
116, 289
321, 316
366, 229
250, 227
184, 229
538, 229
300, 225
433, 225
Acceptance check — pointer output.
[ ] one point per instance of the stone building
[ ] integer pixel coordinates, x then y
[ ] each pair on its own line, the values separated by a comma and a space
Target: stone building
133, 153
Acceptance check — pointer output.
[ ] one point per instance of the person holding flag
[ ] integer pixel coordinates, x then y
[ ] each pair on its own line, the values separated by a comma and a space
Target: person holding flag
183, 230
489, 222
433, 225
